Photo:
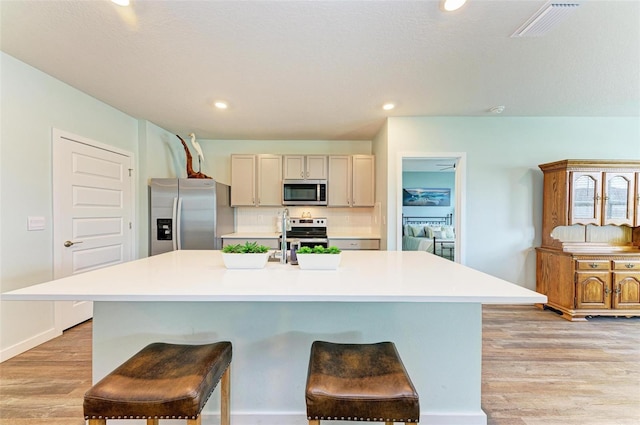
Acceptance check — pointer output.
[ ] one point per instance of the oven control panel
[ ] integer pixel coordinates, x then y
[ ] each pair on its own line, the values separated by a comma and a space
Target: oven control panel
308, 222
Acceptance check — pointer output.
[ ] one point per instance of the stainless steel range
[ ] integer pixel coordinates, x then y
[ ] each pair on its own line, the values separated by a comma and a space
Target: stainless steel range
308, 231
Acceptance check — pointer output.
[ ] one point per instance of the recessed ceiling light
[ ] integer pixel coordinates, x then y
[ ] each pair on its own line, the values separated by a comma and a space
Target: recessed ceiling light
451, 5
388, 106
221, 105
121, 2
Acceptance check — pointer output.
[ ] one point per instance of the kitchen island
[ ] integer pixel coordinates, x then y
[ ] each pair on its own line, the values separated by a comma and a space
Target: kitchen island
430, 307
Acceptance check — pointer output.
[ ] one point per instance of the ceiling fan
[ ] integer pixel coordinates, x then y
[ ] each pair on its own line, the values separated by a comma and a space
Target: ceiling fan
447, 166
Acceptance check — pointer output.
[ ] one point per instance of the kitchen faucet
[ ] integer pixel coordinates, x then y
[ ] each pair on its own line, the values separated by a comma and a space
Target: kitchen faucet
283, 243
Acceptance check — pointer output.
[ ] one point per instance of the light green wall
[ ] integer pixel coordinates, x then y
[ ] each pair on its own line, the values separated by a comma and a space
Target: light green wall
32, 104
504, 184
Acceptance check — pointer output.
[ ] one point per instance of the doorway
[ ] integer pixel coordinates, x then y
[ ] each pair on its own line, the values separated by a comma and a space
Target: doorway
436, 162
93, 197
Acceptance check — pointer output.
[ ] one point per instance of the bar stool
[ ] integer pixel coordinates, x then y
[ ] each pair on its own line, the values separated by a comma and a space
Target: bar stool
163, 381
359, 382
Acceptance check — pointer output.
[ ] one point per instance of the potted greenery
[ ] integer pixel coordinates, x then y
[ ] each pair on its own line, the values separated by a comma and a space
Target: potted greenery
249, 255
319, 257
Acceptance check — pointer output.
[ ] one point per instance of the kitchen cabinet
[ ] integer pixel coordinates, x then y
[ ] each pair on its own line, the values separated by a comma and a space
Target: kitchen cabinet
351, 181
309, 167
348, 244
256, 180
272, 243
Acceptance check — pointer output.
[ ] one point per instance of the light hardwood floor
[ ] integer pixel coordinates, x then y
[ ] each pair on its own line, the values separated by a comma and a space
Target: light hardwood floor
538, 369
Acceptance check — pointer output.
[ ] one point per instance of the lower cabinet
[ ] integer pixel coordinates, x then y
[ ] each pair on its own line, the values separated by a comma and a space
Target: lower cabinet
272, 243
355, 244
579, 286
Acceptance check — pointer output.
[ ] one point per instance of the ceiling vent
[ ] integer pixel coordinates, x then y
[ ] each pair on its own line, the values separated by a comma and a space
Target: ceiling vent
545, 19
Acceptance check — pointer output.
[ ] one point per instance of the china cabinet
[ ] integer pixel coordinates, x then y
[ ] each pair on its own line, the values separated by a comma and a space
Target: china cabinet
589, 261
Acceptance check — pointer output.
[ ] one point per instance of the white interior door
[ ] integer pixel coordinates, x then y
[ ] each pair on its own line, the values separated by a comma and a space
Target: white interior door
92, 213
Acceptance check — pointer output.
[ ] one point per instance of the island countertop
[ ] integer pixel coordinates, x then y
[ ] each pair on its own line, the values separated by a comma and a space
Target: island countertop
363, 276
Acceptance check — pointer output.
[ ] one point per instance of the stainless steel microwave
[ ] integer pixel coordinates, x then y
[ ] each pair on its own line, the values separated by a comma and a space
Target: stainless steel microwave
304, 192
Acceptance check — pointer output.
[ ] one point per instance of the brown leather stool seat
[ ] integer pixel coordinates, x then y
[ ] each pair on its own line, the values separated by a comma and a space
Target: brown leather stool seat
359, 382
163, 381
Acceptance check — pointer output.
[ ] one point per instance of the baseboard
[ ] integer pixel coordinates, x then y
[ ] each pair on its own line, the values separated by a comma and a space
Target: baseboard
28, 344
299, 418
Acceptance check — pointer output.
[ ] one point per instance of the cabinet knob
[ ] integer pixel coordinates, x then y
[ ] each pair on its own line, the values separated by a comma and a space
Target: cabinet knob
618, 290
593, 265
607, 291
629, 265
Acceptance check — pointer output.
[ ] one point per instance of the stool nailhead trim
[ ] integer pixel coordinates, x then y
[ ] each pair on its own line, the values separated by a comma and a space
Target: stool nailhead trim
342, 418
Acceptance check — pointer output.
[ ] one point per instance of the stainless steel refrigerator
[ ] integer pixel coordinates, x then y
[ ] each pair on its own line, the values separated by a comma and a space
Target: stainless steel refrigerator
188, 214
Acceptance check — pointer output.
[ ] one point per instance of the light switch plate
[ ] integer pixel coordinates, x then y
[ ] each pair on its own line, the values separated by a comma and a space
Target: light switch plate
35, 223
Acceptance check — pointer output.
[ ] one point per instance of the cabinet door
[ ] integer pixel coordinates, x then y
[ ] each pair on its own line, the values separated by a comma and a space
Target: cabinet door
637, 201
586, 196
363, 183
626, 288
243, 180
316, 167
339, 184
355, 244
293, 167
618, 202
593, 290
269, 180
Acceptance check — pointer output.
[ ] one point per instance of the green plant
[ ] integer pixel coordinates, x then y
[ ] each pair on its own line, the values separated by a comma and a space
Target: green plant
319, 249
246, 248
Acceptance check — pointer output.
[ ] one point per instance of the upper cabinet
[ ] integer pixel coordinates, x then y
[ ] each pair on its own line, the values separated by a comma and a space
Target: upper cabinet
603, 198
256, 180
590, 192
309, 167
351, 181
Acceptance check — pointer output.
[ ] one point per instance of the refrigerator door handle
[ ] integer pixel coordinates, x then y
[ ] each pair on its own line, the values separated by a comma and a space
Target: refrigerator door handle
174, 220
178, 221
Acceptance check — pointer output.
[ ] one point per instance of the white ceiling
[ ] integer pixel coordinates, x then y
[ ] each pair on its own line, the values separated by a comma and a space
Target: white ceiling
322, 69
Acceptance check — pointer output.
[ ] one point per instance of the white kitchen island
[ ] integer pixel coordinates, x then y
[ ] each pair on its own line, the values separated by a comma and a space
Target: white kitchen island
430, 307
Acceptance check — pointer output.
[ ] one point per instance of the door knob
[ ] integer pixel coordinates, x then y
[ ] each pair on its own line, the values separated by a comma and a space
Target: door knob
69, 243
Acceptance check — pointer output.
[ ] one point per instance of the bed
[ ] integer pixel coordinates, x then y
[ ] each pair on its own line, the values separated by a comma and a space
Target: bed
431, 234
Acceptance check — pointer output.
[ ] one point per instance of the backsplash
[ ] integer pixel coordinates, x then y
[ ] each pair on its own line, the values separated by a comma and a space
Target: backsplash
339, 220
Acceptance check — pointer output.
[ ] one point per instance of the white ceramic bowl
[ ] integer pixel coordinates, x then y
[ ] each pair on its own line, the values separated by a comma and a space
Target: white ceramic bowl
245, 261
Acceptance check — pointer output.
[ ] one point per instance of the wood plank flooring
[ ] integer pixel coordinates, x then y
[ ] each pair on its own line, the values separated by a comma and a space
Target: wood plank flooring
538, 369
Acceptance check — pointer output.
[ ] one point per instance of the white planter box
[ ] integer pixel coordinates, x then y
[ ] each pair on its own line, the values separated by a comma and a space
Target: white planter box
319, 261
245, 261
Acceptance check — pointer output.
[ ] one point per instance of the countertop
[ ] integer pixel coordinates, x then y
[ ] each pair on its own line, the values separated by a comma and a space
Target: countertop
363, 276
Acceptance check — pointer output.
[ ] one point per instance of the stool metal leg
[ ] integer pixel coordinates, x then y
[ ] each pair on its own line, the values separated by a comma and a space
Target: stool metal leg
225, 397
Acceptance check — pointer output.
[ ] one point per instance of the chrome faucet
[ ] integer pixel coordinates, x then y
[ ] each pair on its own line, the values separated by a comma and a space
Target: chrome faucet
283, 243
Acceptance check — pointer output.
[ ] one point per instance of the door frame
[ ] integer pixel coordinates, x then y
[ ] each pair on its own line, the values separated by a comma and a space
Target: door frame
460, 188
56, 135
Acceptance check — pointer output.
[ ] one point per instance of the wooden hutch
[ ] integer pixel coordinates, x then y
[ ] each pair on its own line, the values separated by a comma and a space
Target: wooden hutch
589, 261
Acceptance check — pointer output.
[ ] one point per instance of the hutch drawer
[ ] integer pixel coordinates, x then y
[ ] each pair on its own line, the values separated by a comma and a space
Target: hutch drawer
592, 265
